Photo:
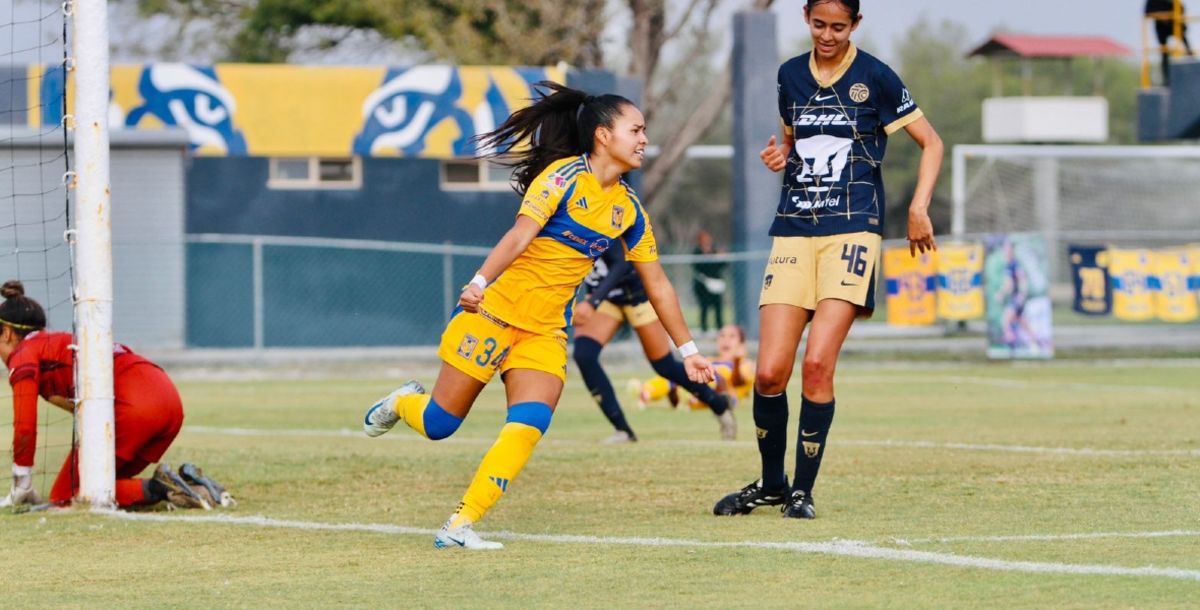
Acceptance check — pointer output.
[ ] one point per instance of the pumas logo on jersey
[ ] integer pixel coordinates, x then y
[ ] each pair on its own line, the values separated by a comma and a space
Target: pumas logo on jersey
618, 216
859, 92
906, 102
767, 281
822, 160
821, 120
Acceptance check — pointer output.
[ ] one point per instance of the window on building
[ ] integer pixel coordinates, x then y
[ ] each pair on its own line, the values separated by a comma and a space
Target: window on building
315, 173
475, 175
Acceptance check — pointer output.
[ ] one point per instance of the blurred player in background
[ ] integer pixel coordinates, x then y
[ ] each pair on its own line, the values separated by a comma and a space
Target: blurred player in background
615, 295
734, 369
838, 105
1163, 13
570, 151
147, 414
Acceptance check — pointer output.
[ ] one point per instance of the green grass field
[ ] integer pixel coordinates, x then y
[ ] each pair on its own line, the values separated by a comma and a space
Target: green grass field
1035, 486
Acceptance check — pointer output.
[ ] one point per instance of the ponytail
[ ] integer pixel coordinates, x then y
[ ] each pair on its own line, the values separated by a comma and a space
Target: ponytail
561, 122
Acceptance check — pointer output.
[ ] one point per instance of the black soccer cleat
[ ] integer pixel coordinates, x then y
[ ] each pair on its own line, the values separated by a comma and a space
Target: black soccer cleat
195, 477
799, 506
749, 498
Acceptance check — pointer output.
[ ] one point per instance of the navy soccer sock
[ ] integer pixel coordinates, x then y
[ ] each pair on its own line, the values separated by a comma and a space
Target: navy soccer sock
815, 420
587, 357
770, 419
672, 369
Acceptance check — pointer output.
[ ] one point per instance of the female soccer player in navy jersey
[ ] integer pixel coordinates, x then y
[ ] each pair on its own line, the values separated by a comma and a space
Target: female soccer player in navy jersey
838, 105
571, 150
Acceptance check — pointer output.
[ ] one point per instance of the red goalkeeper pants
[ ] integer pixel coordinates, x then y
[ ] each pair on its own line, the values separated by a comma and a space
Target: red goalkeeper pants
148, 415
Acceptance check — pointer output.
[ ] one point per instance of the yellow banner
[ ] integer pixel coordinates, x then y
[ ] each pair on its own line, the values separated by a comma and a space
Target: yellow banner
911, 293
301, 111
1129, 271
1173, 302
960, 281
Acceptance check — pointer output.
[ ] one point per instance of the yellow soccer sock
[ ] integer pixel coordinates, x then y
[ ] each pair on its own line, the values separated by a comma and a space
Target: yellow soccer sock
500, 466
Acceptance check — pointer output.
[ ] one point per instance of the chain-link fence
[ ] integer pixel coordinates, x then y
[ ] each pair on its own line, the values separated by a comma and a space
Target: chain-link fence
266, 291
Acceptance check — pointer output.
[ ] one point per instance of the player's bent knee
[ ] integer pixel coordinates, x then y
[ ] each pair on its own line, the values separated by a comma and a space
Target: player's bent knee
770, 382
587, 351
439, 423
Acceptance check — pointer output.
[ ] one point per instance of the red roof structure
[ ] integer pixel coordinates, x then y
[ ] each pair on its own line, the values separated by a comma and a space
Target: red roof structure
1038, 46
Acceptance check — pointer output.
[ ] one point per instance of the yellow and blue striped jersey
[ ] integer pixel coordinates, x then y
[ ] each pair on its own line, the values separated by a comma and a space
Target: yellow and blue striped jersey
580, 221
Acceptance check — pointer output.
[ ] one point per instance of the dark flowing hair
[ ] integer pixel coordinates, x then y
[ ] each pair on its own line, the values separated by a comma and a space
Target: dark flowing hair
561, 122
851, 5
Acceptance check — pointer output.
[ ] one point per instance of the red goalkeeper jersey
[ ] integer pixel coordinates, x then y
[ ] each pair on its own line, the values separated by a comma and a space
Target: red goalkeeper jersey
42, 364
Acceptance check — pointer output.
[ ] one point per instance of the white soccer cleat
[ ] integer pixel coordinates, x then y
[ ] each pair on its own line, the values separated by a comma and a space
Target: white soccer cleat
382, 415
619, 437
462, 537
728, 425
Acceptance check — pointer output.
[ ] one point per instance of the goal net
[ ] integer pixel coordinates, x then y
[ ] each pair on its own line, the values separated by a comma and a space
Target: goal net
1130, 196
34, 198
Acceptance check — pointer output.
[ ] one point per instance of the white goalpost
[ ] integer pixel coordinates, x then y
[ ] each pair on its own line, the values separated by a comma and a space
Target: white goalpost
92, 236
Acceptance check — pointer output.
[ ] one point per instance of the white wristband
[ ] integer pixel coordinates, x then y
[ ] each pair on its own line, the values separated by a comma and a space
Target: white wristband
689, 349
22, 471
480, 281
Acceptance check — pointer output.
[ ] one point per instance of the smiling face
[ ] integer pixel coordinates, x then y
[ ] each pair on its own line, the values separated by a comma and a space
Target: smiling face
830, 24
625, 142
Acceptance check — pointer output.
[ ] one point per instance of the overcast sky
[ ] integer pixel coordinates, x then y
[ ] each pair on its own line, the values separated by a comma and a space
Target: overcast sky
885, 21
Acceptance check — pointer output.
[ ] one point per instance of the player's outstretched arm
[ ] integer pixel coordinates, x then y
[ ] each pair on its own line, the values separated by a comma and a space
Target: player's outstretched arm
502, 255
666, 305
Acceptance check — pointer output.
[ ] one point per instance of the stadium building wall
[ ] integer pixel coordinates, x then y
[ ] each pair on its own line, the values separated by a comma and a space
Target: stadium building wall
147, 178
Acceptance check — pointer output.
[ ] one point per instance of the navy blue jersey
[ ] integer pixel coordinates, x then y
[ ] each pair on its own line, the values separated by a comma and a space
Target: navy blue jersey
833, 182
615, 279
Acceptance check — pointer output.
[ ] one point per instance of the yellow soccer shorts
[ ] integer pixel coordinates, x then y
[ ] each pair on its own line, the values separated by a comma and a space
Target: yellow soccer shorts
479, 345
637, 315
804, 271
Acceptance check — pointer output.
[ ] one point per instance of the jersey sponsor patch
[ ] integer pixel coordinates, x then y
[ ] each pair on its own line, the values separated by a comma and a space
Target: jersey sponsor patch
906, 102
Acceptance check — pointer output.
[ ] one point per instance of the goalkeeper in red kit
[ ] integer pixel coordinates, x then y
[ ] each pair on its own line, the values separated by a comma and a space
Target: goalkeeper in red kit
147, 414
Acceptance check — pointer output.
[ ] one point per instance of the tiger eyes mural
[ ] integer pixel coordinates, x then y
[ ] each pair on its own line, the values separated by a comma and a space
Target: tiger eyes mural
286, 110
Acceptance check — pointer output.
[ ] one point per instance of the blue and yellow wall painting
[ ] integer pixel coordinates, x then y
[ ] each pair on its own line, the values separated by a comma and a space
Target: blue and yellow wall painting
286, 110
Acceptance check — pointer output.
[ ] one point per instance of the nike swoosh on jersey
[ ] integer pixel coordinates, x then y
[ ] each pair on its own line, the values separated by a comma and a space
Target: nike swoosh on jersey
845, 284
827, 97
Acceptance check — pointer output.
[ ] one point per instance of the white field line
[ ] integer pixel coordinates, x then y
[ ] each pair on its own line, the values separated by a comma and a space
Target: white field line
1002, 382
843, 548
1046, 537
1073, 451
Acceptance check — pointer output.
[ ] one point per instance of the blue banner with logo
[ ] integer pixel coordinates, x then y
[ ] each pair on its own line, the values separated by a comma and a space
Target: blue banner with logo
1089, 275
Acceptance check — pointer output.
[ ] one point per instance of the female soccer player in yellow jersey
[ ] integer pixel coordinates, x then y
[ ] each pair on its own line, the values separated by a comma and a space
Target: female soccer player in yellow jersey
838, 106
569, 151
